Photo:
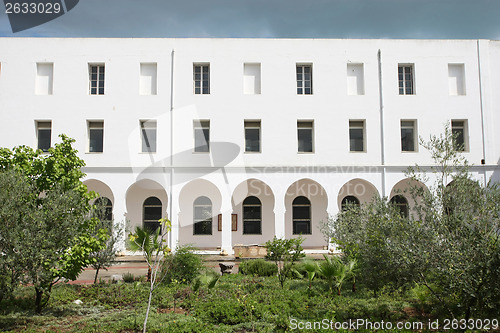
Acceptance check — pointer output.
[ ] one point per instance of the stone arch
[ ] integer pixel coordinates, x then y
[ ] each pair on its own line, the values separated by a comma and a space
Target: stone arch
318, 198
262, 191
101, 188
403, 187
359, 188
136, 194
189, 193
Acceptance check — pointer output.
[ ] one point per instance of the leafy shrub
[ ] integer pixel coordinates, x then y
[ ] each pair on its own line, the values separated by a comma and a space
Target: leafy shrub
258, 267
128, 277
183, 265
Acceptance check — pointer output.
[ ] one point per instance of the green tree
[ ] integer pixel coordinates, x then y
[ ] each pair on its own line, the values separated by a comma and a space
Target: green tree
284, 253
449, 243
47, 229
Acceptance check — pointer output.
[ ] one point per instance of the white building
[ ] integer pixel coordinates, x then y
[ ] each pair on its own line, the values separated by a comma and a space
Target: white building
238, 140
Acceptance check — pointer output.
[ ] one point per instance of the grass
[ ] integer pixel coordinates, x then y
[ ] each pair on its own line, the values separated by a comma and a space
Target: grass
237, 303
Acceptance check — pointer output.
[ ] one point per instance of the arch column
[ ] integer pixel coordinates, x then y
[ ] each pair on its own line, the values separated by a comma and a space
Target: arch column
120, 215
279, 213
226, 237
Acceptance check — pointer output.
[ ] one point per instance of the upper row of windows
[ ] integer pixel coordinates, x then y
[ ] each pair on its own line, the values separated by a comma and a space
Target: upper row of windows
251, 79
252, 135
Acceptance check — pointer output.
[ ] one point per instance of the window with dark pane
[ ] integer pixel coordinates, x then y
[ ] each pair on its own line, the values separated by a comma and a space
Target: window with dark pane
405, 79
408, 135
44, 133
106, 208
305, 136
201, 79
252, 216
96, 136
304, 79
458, 128
252, 136
96, 79
202, 216
356, 135
148, 136
201, 136
152, 211
349, 200
301, 207
400, 202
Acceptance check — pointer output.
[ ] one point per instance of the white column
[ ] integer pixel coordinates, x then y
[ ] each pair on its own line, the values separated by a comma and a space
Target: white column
173, 216
226, 237
279, 213
119, 215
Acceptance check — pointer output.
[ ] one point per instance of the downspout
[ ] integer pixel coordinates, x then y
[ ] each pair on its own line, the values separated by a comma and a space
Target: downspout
171, 245
481, 102
381, 102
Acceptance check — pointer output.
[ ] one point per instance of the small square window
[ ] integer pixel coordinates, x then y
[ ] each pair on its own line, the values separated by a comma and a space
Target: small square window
357, 135
460, 135
147, 79
44, 78
251, 79
456, 79
408, 135
406, 80
201, 136
304, 80
148, 136
305, 136
96, 79
252, 136
44, 133
96, 136
201, 79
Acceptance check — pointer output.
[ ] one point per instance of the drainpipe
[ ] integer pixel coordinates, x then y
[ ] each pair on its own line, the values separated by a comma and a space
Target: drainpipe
481, 102
171, 245
381, 101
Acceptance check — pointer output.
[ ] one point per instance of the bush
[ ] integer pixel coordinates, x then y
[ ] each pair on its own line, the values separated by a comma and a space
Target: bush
128, 277
183, 265
258, 267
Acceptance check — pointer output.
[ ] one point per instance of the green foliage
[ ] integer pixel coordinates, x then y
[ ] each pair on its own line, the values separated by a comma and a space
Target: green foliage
448, 244
48, 231
258, 267
128, 277
336, 272
284, 252
183, 265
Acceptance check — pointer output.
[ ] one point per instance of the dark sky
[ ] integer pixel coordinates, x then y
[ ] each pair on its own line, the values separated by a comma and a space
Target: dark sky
455, 19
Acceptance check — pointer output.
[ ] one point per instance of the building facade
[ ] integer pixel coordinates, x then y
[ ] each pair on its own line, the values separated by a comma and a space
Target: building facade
239, 140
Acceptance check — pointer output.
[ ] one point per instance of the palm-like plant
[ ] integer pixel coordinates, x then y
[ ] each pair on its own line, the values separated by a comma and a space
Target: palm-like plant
146, 240
311, 268
336, 272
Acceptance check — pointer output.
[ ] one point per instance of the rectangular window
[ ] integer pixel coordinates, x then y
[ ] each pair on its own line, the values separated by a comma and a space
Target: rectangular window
147, 80
201, 136
252, 136
305, 136
201, 79
148, 136
44, 133
456, 79
96, 136
355, 79
405, 78
44, 78
357, 135
96, 79
251, 79
460, 134
408, 135
304, 80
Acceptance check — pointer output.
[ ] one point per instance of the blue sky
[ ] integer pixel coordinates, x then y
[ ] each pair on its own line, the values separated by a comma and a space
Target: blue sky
455, 19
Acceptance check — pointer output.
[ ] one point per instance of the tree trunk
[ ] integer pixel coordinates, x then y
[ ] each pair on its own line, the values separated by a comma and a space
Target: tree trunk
38, 300
354, 287
147, 310
96, 273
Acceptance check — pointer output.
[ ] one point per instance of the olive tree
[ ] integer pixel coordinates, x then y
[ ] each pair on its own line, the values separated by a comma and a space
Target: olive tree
48, 229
